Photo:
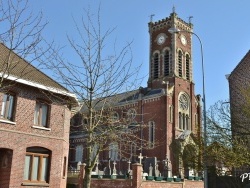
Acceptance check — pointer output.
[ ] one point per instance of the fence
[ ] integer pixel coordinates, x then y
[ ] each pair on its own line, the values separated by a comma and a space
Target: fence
75, 180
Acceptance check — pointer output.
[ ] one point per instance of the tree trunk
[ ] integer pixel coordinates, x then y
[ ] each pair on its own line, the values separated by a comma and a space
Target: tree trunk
87, 178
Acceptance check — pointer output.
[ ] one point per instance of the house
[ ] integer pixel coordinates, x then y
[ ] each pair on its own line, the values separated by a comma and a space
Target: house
167, 108
239, 88
238, 91
35, 116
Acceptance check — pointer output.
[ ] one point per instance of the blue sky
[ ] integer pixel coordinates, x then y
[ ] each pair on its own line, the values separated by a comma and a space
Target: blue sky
222, 25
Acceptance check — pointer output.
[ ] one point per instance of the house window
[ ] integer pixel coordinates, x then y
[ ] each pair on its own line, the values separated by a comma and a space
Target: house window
151, 135
156, 66
166, 63
180, 63
36, 168
41, 114
187, 67
8, 103
113, 151
64, 166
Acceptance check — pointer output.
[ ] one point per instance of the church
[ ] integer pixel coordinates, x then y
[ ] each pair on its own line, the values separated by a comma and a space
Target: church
168, 109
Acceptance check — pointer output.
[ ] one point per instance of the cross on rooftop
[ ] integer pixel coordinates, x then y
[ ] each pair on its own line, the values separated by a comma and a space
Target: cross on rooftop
151, 17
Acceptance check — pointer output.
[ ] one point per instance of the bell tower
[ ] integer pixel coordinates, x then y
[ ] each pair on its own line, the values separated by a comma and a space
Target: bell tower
170, 54
171, 70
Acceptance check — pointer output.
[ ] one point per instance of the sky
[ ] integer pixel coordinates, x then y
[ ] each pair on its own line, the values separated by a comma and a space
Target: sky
222, 25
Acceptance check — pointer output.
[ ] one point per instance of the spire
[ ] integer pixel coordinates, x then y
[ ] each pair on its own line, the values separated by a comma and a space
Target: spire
173, 9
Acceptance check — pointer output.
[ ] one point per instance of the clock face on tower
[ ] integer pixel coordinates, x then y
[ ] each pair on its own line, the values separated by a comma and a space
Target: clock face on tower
161, 39
183, 40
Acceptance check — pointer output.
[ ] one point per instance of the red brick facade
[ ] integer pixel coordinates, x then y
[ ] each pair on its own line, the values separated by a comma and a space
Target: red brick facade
239, 88
34, 126
21, 134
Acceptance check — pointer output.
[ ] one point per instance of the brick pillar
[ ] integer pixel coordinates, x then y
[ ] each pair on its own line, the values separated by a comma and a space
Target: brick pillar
137, 175
81, 175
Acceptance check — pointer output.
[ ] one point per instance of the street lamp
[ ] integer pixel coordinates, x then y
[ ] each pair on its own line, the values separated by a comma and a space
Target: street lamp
175, 30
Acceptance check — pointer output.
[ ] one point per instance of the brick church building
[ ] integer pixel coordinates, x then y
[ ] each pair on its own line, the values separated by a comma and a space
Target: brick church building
168, 106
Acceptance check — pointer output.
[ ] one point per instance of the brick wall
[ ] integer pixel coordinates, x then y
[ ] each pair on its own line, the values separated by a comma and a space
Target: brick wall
145, 184
20, 135
138, 182
105, 183
239, 85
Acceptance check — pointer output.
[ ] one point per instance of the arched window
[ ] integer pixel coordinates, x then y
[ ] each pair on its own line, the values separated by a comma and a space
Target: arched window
36, 167
187, 67
79, 153
180, 63
180, 120
156, 66
184, 111
196, 121
113, 151
151, 134
171, 113
183, 122
187, 124
166, 63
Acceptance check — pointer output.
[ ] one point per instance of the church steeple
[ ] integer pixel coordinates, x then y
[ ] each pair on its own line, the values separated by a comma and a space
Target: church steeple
170, 54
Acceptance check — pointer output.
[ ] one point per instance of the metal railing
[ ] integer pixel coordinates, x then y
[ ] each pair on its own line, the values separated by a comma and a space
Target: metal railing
73, 173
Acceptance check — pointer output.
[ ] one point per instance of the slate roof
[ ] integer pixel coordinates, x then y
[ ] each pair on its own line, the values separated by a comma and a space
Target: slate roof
126, 97
22, 69
15, 68
238, 69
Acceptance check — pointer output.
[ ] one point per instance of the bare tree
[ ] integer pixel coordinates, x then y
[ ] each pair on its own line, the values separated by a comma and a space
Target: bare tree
226, 146
96, 75
20, 32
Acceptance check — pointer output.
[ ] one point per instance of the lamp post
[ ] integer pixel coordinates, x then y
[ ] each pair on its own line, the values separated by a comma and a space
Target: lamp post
175, 30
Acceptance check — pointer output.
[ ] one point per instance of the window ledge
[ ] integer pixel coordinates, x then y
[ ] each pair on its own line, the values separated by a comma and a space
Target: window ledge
40, 127
35, 184
8, 121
